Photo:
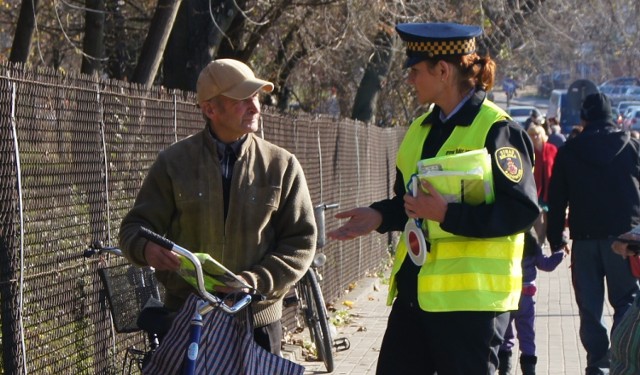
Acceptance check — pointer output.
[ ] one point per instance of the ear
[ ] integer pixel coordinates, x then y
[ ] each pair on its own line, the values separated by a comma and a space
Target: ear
444, 69
208, 109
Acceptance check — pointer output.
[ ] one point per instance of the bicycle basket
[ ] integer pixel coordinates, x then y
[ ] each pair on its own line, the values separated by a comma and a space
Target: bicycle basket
128, 290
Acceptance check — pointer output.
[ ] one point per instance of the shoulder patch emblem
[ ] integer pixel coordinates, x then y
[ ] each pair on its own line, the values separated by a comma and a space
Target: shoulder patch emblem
510, 163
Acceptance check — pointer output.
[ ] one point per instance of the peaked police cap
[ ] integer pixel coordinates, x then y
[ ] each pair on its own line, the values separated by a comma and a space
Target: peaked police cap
434, 39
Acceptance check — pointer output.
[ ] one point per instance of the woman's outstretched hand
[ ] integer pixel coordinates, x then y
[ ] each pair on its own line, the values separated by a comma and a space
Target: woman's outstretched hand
362, 220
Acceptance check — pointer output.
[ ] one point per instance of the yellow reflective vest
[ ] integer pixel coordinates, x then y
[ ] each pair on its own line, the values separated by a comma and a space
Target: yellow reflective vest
461, 273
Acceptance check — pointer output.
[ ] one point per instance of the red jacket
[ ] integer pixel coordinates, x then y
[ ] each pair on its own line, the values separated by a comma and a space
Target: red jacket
542, 169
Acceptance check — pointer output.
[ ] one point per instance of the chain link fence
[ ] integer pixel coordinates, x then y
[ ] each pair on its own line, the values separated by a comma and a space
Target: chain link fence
73, 153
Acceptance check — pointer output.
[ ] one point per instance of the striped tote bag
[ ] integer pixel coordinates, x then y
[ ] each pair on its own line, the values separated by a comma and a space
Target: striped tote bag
227, 347
625, 343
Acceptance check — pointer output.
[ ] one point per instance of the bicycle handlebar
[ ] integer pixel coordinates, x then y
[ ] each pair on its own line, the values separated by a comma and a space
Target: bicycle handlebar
98, 248
326, 206
213, 300
318, 213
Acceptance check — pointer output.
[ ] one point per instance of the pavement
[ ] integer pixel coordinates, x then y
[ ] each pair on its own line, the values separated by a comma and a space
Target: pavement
558, 344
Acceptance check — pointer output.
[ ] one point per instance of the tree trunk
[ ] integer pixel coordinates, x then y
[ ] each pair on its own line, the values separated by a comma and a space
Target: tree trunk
24, 32
194, 41
241, 42
282, 92
154, 45
116, 46
93, 44
364, 104
229, 46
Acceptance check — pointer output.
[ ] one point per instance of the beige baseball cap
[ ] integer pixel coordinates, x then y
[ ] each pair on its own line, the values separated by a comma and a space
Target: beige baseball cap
230, 78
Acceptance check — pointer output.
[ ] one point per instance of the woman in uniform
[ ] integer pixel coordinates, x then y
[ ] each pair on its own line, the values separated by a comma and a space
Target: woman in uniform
452, 294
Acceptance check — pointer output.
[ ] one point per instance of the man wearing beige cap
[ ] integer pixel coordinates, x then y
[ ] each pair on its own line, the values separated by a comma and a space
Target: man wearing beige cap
226, 192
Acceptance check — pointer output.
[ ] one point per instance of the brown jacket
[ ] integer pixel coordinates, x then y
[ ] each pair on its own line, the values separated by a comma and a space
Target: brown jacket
269, 236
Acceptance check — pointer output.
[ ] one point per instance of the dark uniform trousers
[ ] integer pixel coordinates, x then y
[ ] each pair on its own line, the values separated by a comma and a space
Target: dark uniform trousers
419, 342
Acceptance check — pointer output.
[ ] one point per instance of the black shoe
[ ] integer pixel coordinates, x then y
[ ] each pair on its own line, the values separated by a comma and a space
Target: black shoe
504, 362
528, 364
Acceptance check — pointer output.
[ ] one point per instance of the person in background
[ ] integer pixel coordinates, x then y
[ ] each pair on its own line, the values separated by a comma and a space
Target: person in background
556, 137
533, 119
450, 311
596, 176
545, 154
510, 86
545, 125
625, 341
228, 193
330, 105
634, 134
524, 318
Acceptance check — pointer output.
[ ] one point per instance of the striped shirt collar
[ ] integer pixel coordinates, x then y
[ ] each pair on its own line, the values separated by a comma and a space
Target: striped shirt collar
221, 146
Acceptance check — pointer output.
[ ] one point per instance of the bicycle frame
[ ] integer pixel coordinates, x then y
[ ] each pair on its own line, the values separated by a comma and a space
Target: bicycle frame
193, 349
311, 301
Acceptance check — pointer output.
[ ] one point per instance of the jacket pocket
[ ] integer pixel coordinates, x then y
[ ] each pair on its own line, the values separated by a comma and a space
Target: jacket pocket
193, 192
264, 196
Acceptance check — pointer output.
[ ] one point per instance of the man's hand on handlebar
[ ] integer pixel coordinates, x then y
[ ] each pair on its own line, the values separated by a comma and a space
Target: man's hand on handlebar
230, 290
160, 258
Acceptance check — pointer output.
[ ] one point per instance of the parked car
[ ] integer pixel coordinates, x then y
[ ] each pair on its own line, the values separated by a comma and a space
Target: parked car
632, 120
521, 113
628, 110
622, 106
633, 93
616, 93
622, 81
617, 116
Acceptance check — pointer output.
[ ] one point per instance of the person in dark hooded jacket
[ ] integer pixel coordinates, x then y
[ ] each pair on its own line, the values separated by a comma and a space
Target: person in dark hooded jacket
597, 177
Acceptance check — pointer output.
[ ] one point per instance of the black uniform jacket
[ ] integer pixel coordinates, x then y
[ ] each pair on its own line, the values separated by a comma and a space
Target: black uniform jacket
596, 176
515, 208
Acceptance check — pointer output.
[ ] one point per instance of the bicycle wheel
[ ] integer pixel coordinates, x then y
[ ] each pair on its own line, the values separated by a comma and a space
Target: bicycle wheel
315, 315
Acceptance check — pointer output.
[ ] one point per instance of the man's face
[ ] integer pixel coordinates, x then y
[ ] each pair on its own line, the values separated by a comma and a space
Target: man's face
231, 118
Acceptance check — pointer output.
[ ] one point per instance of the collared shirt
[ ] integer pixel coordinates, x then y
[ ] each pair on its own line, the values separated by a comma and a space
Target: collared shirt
228, 154
457, 108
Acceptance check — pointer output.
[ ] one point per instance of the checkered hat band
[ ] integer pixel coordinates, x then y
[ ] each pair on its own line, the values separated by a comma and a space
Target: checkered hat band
444, 47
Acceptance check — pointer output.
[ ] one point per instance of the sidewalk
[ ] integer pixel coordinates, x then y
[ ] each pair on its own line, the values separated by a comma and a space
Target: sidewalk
558, 344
